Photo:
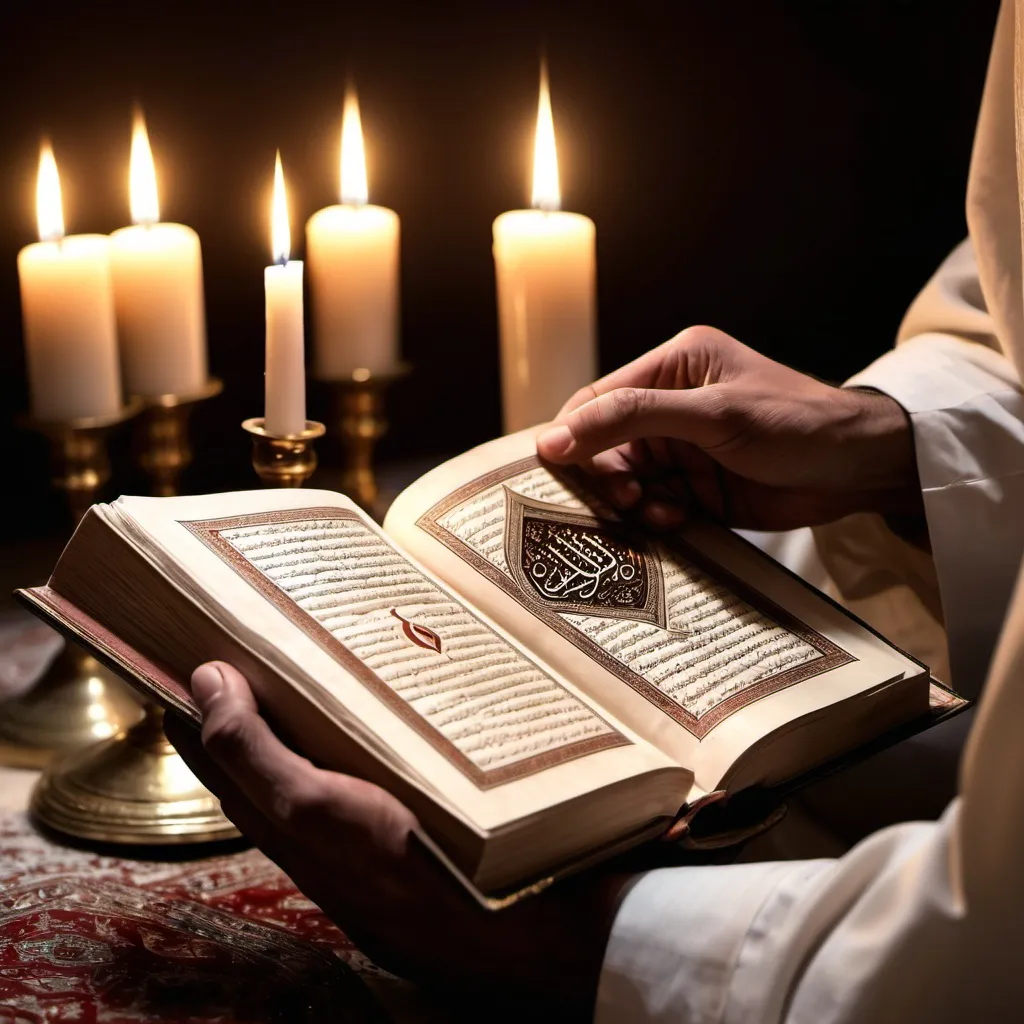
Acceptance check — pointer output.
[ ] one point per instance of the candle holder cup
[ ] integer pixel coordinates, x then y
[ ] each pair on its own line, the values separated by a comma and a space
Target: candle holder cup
164, 450
133, 787
283, 460
359, 421
77, 701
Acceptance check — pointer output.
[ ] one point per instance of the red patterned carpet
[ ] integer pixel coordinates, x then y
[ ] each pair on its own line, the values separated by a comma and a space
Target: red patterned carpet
88, 939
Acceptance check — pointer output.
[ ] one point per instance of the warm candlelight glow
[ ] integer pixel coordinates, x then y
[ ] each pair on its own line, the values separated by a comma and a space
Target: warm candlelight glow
546, 193
49, 213
158, 288
280, 232
67, 308
545, 264
285, 376
352, 249
142, 176
354, 190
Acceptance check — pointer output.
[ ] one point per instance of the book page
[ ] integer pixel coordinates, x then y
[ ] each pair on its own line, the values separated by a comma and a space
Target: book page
644, 609
389, 650
484, 704
670, 638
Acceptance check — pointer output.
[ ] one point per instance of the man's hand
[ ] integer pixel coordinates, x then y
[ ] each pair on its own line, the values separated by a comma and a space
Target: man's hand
704, 420
350, 847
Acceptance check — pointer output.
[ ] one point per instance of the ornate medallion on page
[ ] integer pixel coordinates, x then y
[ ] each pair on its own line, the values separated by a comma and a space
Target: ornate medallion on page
573, 561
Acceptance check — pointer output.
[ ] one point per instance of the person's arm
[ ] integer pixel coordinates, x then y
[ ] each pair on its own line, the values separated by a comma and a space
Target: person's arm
923, 921
704, 423
919, 922
842, 941
353, 849
966, 408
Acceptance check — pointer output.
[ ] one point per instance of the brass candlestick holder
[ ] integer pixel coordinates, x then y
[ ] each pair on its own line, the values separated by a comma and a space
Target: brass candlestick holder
164, 449
77, 701
134, 787
359, 419
283, 461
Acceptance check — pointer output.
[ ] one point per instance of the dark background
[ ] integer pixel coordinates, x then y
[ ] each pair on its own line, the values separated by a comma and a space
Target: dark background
788, 170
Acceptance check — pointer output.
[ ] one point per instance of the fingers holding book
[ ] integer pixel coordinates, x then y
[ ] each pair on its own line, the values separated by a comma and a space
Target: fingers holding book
257, 771
706, 423
350, 847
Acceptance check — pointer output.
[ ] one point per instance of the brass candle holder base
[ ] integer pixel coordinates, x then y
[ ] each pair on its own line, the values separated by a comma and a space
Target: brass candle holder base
360, 422
164, 449
77, 701
286, 461
133, 788
75, 704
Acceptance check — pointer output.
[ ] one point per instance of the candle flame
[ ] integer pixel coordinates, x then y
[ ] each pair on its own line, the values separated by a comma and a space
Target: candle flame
142, 195
546, 192
49, 213
353, 154
280, 231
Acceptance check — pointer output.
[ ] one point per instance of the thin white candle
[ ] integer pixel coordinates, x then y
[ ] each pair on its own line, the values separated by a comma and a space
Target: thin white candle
285, 411
546, 277
353, 270
67, 305
158, 289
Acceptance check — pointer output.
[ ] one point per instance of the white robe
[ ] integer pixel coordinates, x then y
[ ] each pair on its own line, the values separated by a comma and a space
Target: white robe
921, 921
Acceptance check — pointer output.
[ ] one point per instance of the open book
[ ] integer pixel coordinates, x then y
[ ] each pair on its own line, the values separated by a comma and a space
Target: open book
541, 682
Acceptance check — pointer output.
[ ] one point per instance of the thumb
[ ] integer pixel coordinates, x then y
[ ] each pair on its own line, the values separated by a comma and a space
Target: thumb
694, 415
240, 742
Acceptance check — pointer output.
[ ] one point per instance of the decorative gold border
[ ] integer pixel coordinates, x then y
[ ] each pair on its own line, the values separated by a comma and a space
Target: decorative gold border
832, 656
208, 531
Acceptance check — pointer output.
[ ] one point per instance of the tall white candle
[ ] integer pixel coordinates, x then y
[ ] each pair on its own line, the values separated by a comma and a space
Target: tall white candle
158, 290
67, 306
285, 411
353, 270
546, 277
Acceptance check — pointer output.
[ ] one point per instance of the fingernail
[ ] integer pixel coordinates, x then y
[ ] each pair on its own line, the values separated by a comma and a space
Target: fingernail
626, 493
557, 442
663, 515
207, 682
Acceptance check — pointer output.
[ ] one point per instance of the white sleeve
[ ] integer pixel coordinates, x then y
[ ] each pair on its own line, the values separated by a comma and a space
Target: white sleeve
966, 405
922, 921
679, 935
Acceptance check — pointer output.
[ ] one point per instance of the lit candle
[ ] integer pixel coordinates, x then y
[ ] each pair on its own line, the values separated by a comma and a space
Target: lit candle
546, 269
285, 411
158, 289
67, 306
353, 270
